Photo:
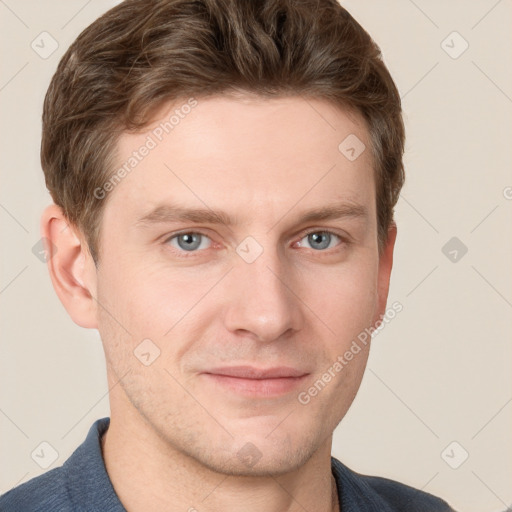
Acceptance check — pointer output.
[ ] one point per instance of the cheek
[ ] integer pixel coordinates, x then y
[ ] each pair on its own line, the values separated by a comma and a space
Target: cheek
344, 297
161, 297
146, 298
126, 309
159, 304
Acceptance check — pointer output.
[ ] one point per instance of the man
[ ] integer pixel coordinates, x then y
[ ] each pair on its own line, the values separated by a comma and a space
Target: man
224, 175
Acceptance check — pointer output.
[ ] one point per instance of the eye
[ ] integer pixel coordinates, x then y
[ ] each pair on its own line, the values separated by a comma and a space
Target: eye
188, 242
320, 240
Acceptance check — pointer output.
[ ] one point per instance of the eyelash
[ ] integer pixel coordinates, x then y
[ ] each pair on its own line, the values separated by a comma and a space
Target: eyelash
344, 241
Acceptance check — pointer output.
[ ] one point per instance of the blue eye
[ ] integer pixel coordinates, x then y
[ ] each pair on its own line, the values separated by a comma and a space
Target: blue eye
320, 240
188, 241
193, 242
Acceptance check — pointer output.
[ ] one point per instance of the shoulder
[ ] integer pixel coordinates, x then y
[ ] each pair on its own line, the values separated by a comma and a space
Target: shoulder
405, 498
80, 482
42, 493
384, 494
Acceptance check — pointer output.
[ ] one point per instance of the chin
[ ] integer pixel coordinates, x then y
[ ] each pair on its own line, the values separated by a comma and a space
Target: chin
259, 453
249, 460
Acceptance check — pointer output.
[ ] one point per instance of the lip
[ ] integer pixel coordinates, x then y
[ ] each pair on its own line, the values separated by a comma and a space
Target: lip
251, 372
256, 382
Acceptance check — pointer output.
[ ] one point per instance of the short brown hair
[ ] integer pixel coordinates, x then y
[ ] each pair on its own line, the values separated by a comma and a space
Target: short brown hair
142, 54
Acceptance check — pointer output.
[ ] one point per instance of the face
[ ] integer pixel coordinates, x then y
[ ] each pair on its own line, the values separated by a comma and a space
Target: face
215, 254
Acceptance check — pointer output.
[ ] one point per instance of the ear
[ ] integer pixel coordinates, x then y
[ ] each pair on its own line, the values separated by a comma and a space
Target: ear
71, 266
384, 274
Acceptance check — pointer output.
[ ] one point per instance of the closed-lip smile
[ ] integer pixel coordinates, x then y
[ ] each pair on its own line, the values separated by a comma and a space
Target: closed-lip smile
252, 381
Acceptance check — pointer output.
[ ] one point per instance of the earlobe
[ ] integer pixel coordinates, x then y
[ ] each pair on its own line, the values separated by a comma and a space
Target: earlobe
70, 265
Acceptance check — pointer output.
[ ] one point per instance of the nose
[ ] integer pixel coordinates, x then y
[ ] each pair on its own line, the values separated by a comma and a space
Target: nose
263, 299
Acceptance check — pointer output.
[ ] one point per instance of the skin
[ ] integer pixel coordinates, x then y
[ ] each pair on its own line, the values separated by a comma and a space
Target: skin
175, 435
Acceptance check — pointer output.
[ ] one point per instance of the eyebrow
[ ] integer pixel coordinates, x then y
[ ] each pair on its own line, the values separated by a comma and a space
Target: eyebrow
171, 213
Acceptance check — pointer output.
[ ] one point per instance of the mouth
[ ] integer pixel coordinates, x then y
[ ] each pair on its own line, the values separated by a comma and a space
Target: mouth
251, 381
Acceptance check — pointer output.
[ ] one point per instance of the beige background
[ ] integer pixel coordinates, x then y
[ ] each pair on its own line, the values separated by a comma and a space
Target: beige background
440, 372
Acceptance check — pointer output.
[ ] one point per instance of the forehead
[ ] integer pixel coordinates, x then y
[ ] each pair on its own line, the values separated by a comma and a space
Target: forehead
247, 153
